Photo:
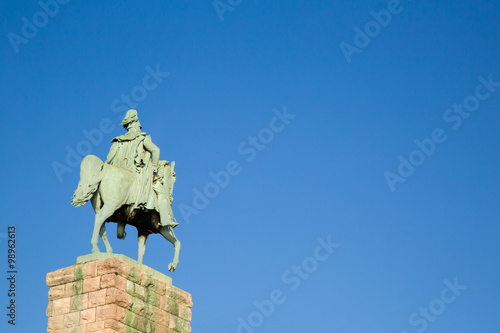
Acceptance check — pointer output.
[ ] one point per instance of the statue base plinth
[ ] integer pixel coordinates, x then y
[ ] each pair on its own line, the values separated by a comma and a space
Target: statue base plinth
112, 293
134, 263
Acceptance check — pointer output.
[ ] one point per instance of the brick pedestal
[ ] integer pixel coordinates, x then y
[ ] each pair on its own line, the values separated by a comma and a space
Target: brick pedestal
115, 294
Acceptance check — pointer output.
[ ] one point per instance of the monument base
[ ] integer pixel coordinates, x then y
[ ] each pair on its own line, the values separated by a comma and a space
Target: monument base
112, 293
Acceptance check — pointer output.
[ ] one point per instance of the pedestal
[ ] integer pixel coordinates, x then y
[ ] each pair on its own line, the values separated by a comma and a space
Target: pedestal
113, 293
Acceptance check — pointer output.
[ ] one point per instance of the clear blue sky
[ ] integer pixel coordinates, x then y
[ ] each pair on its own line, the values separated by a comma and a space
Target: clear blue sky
358, 104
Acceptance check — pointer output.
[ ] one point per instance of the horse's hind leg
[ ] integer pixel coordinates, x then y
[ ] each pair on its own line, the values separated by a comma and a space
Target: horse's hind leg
106, 211
104, 238
142, 245
169, 235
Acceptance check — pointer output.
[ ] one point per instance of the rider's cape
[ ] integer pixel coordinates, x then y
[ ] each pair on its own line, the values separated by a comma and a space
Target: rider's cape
128, 152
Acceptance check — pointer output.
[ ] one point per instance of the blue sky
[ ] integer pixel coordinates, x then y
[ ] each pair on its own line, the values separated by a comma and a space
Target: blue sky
414, 226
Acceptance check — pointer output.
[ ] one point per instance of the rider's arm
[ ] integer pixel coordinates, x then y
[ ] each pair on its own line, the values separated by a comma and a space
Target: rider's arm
153, 149
112, 152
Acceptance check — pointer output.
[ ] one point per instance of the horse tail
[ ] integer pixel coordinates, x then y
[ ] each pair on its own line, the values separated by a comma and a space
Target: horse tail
90, 177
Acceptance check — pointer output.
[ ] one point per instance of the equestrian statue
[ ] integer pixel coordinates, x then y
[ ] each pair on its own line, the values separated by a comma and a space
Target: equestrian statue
132, 187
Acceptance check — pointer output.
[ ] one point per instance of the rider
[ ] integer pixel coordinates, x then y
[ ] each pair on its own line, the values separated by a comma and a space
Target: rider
136, 152
127, 150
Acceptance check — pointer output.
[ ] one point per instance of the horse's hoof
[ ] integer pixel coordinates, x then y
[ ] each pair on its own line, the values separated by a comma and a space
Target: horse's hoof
172, 267
95, 250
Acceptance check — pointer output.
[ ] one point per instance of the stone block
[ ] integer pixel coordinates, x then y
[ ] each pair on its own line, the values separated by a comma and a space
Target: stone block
95, 327
73, 288
161, 288
139, 307
91, 284
118, 297
114, 280
61, 276
56, 322
110, 311
97, 298
76, 329
113, 265
139, 291
60, 306
56, 292
89, 269
79, 302
87, 316
72, 319
50, 309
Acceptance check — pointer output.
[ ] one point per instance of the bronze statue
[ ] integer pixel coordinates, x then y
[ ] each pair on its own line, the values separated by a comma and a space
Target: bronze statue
132, 187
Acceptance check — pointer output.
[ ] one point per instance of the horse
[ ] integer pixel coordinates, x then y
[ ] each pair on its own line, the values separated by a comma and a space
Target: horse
109, 188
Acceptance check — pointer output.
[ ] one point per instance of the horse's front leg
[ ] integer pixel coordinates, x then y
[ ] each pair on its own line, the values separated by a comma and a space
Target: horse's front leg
169, 235
106, 211
104, 238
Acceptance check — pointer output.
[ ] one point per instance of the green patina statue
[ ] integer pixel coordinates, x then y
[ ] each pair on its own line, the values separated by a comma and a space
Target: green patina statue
132, 187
